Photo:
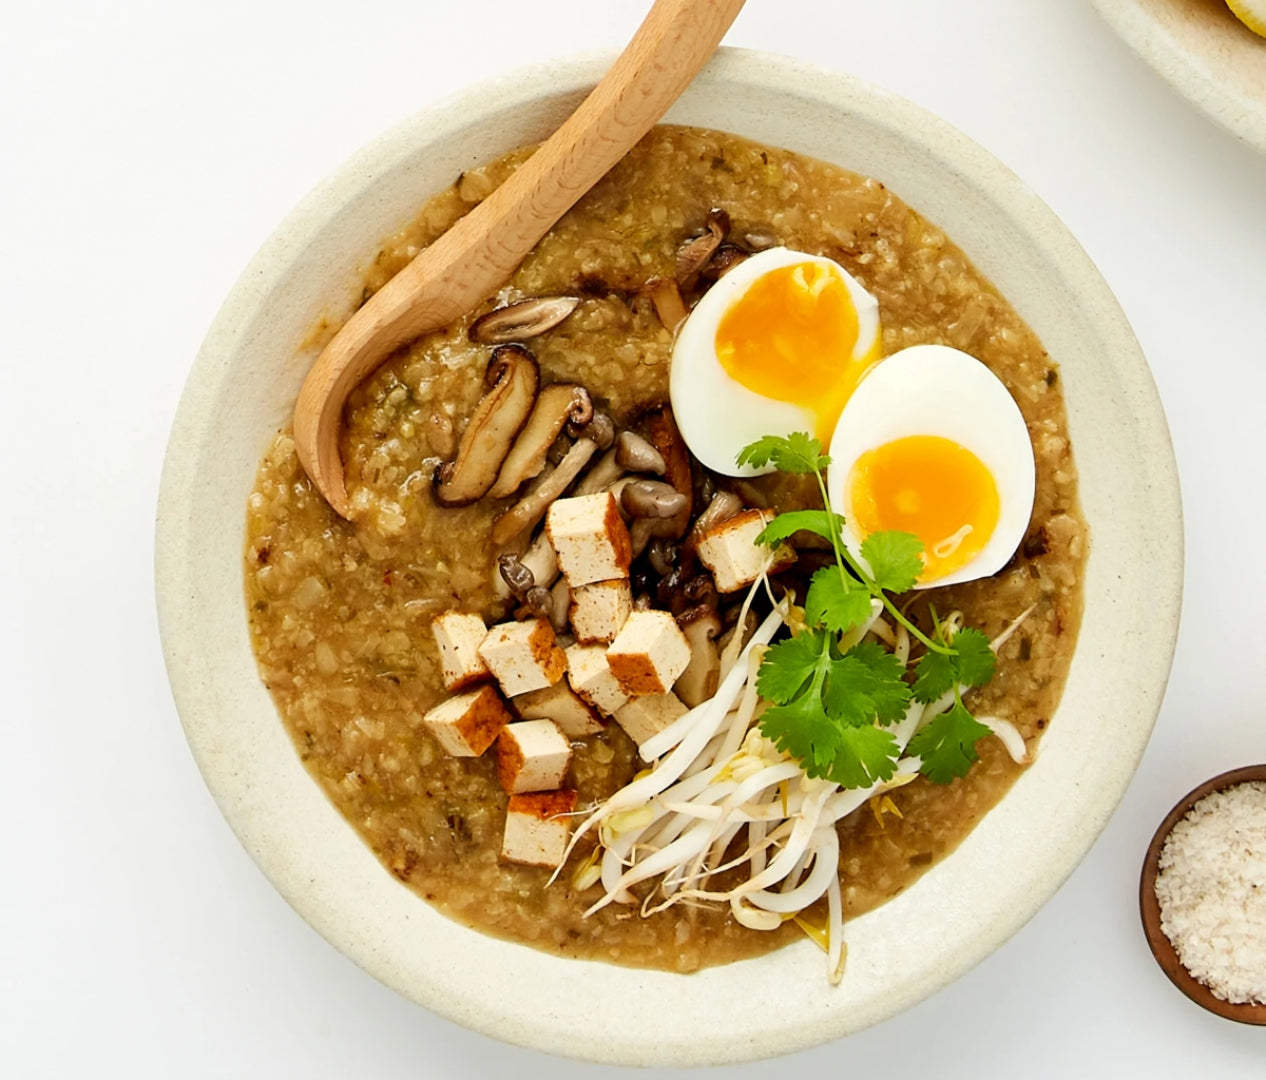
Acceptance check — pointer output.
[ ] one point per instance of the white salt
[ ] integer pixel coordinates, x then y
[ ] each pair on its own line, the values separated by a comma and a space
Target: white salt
1212, 892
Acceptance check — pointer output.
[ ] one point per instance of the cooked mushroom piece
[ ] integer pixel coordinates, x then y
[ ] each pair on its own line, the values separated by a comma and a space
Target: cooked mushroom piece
547, 487
511, 379
560, 600
760, 238
555, 406
660, 430
537, 604
666, 297
598, 427
652, 499
634, 453
518, 578
725, 259
605, 473
539, 559
695, 254
522, 320
699, 681
724, 505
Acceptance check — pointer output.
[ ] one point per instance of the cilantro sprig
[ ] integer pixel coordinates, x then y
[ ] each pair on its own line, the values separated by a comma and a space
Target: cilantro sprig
833, 702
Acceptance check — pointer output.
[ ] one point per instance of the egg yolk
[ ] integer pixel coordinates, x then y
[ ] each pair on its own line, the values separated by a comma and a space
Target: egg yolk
791, 337
932, 487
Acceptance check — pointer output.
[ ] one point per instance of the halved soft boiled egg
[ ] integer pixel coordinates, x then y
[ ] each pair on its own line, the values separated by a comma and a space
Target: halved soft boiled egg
776, 345
933, 444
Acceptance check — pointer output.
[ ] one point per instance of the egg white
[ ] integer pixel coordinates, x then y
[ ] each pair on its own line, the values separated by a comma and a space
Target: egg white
937, 390
717, 415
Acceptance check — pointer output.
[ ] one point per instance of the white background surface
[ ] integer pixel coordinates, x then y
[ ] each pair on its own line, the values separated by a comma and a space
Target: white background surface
147, 149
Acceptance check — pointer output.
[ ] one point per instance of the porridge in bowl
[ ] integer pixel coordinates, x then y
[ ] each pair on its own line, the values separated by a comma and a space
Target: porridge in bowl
342, 614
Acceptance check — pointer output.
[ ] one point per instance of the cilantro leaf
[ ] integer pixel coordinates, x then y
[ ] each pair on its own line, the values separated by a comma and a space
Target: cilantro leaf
865, 756
836, 601
974, 660
947, 746
894, 559
934, 676
888, 690
790, 664
850, 756
794, 453
786, 524
860, 689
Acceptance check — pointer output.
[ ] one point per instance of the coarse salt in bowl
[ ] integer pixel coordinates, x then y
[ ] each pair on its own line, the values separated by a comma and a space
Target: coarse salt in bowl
243, 388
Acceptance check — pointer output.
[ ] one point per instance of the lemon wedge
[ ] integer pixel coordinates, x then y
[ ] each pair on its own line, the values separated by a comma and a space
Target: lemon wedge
1252, 13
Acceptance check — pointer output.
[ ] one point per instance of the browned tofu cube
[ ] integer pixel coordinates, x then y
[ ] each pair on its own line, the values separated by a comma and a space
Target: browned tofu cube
646, 716
599, 609
590, 538
591, 677
532, 755
648, 653
560, 703
467, 724
523, 656
731, 552
458, 637
538, 828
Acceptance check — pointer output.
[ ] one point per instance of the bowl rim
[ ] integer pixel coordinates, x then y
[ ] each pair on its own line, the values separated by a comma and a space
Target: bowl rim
1197, 77
963, 162
1149, 905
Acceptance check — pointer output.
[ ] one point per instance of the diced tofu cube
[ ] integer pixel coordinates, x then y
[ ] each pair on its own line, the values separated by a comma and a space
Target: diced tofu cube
458, 637
648, 715
648, 653
538, 828
560, 703
466, 725
523, 656
532, 755
730, 550
599, 609
591, 677
589, 538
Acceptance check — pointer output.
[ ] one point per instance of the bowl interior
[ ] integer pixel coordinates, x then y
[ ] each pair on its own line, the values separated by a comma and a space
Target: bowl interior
243, 387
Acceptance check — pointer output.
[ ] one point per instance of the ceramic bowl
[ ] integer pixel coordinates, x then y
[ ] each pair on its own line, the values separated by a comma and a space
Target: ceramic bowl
241, 391
1204, 52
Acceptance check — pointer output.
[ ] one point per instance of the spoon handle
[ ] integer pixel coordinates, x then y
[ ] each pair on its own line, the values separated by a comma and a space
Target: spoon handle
478, 254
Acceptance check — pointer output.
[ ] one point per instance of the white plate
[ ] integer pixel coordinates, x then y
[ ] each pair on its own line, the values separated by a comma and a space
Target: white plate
1204, 52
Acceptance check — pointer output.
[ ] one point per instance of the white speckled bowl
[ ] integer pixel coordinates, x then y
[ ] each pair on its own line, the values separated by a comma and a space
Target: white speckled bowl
242, 388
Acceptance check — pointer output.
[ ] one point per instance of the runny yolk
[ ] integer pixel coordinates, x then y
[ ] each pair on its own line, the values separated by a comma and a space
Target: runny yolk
932, 487
791, 337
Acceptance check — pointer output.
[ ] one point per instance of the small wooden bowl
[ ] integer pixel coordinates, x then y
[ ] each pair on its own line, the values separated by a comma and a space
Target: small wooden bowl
1161, 947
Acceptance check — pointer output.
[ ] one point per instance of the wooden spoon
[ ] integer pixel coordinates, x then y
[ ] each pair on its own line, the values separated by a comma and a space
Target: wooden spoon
477, 255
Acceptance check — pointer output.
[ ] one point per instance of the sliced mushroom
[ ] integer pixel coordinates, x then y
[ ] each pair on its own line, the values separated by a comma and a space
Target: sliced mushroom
555, 406
511, 379
726, 258
537, 604
695, 254
652, 499
548, 487
598, 427
523, 320
518, 578
634, 453
560, 598
605, 473
539, 559
661, 432
666, 297
699, 681
724, 505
